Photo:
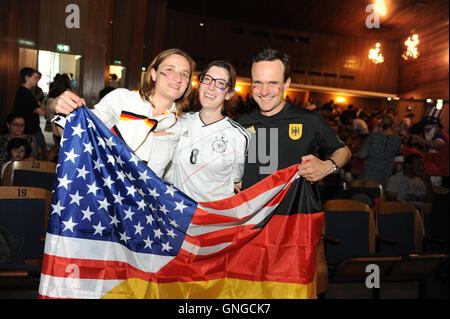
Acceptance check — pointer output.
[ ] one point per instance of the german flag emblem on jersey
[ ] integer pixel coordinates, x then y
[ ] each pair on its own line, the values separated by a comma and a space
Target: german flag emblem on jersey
295, 131
128, 116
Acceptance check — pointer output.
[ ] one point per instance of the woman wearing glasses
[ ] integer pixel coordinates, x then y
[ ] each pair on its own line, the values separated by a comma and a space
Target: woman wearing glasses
141, 117
209, 158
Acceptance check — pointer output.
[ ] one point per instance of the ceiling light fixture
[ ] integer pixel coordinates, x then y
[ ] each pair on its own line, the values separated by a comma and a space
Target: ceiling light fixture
375, 55
412, 51
380, 7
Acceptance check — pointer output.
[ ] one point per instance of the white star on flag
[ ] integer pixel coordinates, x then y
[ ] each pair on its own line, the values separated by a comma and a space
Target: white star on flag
57, 208
64, 182
69, 225
77, 130
71, 156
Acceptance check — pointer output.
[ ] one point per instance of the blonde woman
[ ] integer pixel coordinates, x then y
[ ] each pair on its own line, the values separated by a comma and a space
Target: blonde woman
141, 117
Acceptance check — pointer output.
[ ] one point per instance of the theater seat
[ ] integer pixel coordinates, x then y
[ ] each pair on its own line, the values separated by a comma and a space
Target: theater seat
401, 222
30, 173
24, 213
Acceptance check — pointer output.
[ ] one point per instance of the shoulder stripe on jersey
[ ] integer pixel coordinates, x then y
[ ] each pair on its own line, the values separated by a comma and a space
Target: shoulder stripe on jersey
131, 116
243, 131
116, 131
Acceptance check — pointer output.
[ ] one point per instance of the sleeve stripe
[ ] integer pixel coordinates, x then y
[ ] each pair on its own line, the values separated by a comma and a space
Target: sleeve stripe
243, 131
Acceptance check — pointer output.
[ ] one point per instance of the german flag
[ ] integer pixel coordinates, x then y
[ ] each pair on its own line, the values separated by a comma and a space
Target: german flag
274, 259
128, 116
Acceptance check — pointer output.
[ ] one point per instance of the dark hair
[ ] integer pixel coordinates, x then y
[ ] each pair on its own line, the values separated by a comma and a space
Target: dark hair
272, 55
227, 105
410, 158
386, 122
61, 84
105, 91
12, 116
26, 72
16, 143
327, 107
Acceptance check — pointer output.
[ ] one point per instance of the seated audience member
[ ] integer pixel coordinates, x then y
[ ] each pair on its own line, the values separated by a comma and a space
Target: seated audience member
380, 149
18, 150
16, 126
372, 123
360, 126
413, 186
436, 143
406, 123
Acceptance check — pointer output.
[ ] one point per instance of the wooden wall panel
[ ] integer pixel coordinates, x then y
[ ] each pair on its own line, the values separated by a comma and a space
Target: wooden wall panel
155, 29
428, 76
128, 38
96, 49
137, 47
316, 59
18, 22
92, 40
122, 31
52, 25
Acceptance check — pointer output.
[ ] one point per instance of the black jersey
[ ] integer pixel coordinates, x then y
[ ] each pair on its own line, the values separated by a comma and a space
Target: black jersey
281, 140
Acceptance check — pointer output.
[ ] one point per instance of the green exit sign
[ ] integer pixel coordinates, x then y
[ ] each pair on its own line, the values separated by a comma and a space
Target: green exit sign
62, 48
117, 62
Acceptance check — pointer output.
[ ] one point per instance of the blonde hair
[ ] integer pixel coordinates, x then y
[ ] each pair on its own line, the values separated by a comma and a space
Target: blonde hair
148, 88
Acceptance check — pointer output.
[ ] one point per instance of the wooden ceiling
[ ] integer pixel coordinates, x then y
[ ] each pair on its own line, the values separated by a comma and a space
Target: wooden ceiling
343, 17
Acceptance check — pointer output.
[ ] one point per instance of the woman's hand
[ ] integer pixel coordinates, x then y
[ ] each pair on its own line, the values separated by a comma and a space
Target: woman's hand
66, 103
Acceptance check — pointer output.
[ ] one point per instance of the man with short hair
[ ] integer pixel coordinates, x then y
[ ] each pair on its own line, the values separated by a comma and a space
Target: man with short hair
284, 134
26, 104
413, 186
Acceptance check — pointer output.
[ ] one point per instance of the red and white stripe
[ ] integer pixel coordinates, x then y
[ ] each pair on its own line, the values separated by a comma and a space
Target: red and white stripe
434, 112
82, 268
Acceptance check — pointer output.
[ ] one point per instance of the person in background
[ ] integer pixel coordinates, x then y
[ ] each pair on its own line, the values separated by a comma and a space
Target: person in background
413, 186
15, 124
406, 123
114, 81
18, 150
360, 126
73, 82
436, 141
309, 105
61, 84
379, 150
26, 104
37, 91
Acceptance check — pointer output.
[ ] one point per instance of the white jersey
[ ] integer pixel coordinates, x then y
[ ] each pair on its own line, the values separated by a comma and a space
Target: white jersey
131, 118
208, 159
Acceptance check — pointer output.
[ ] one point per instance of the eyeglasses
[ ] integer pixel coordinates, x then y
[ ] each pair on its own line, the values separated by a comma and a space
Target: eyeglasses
218, 83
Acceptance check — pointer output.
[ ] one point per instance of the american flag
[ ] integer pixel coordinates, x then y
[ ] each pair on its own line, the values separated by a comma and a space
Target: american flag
113, 219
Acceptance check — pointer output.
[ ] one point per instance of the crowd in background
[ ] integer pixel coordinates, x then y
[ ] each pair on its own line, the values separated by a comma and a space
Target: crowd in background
406, 158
